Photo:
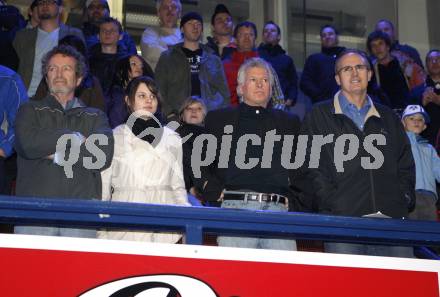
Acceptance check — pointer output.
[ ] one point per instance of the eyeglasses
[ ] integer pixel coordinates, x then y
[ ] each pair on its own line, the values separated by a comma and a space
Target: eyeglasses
104, 31
350, 69
434, 60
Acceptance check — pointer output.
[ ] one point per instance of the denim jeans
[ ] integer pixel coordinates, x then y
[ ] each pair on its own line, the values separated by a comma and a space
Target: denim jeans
55, 231
256, 242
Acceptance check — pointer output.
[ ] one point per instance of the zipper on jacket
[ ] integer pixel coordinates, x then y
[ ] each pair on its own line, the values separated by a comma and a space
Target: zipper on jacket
370, 173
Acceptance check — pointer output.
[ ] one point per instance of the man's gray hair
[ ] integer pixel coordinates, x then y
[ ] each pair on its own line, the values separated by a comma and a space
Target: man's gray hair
159, 3
68, 51
253, 63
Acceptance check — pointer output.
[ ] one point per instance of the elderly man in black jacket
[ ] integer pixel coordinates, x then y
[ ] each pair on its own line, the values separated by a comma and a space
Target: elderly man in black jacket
62, 145
360, 160
252, 175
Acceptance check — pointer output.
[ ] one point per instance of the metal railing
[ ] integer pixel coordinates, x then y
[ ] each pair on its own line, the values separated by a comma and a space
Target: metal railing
194, 222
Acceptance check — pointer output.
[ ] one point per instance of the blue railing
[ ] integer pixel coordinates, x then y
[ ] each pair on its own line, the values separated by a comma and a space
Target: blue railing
194, 222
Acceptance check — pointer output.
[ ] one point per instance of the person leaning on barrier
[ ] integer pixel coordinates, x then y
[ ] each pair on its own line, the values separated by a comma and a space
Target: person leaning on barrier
62, 145
236, 184
362, 179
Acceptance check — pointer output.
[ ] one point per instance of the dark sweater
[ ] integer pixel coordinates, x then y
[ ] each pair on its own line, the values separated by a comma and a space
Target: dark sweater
284, 67
393, 82
318, 77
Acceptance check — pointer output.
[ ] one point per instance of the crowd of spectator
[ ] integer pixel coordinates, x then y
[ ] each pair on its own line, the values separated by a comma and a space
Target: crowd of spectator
66, 88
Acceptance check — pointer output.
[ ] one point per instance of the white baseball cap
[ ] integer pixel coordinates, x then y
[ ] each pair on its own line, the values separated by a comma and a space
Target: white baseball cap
413, 109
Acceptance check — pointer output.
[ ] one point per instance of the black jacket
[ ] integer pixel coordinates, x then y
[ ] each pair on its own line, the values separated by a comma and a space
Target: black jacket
39, 126
216, 120
284, 67
431, 108
227, 50
318, 77
103, 65
357, 191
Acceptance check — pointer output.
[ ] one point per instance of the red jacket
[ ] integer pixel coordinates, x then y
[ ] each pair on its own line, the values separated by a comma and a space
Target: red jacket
231, 66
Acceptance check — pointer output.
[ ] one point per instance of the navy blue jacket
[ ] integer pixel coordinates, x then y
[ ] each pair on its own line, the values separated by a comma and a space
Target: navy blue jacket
318, 77
284, 67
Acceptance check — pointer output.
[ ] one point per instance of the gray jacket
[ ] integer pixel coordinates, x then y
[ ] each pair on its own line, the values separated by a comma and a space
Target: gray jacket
24, 44
173, 76
38, 128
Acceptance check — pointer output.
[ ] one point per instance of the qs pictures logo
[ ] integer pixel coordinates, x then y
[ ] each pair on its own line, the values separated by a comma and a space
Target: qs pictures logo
164, 285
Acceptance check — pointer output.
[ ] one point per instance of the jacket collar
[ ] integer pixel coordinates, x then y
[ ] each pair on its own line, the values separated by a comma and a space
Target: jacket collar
371, 112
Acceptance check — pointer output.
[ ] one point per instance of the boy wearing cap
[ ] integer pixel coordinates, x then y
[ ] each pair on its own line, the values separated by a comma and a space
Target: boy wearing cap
190, 69
414, 119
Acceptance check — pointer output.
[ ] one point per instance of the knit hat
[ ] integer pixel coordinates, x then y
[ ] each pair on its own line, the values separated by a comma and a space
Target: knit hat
413, 109
103, 2
190, 16
220, 8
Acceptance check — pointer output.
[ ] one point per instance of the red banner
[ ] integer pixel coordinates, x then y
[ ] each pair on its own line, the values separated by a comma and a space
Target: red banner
55, 266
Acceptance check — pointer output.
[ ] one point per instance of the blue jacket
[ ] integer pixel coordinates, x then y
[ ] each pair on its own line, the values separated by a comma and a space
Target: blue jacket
12, 95
284, 67
427, 163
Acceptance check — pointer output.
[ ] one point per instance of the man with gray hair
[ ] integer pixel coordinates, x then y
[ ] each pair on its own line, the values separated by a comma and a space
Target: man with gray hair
251, 176
371, 172
156, 40
62, 145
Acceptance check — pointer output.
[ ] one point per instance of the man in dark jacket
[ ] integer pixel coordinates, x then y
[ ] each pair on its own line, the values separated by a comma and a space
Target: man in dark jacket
428, 95
389, 75
97, 11
62, 145
222, 42
375, 176
387, 27
317, 78
251, 176
190, 69
105, 54
272, 52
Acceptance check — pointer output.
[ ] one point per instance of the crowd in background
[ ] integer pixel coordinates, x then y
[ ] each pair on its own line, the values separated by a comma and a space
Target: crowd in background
178, 78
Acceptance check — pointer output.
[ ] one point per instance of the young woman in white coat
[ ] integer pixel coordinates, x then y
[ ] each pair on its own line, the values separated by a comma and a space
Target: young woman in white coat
147, 162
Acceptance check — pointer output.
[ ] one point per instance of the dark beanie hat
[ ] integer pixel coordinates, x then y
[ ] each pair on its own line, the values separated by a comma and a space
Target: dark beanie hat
190, 16
220, 8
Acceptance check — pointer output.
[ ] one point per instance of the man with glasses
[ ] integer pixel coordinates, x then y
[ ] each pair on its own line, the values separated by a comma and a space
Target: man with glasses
96, 11
377, 177
156, 40
103, 55
428, 95
32, 44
